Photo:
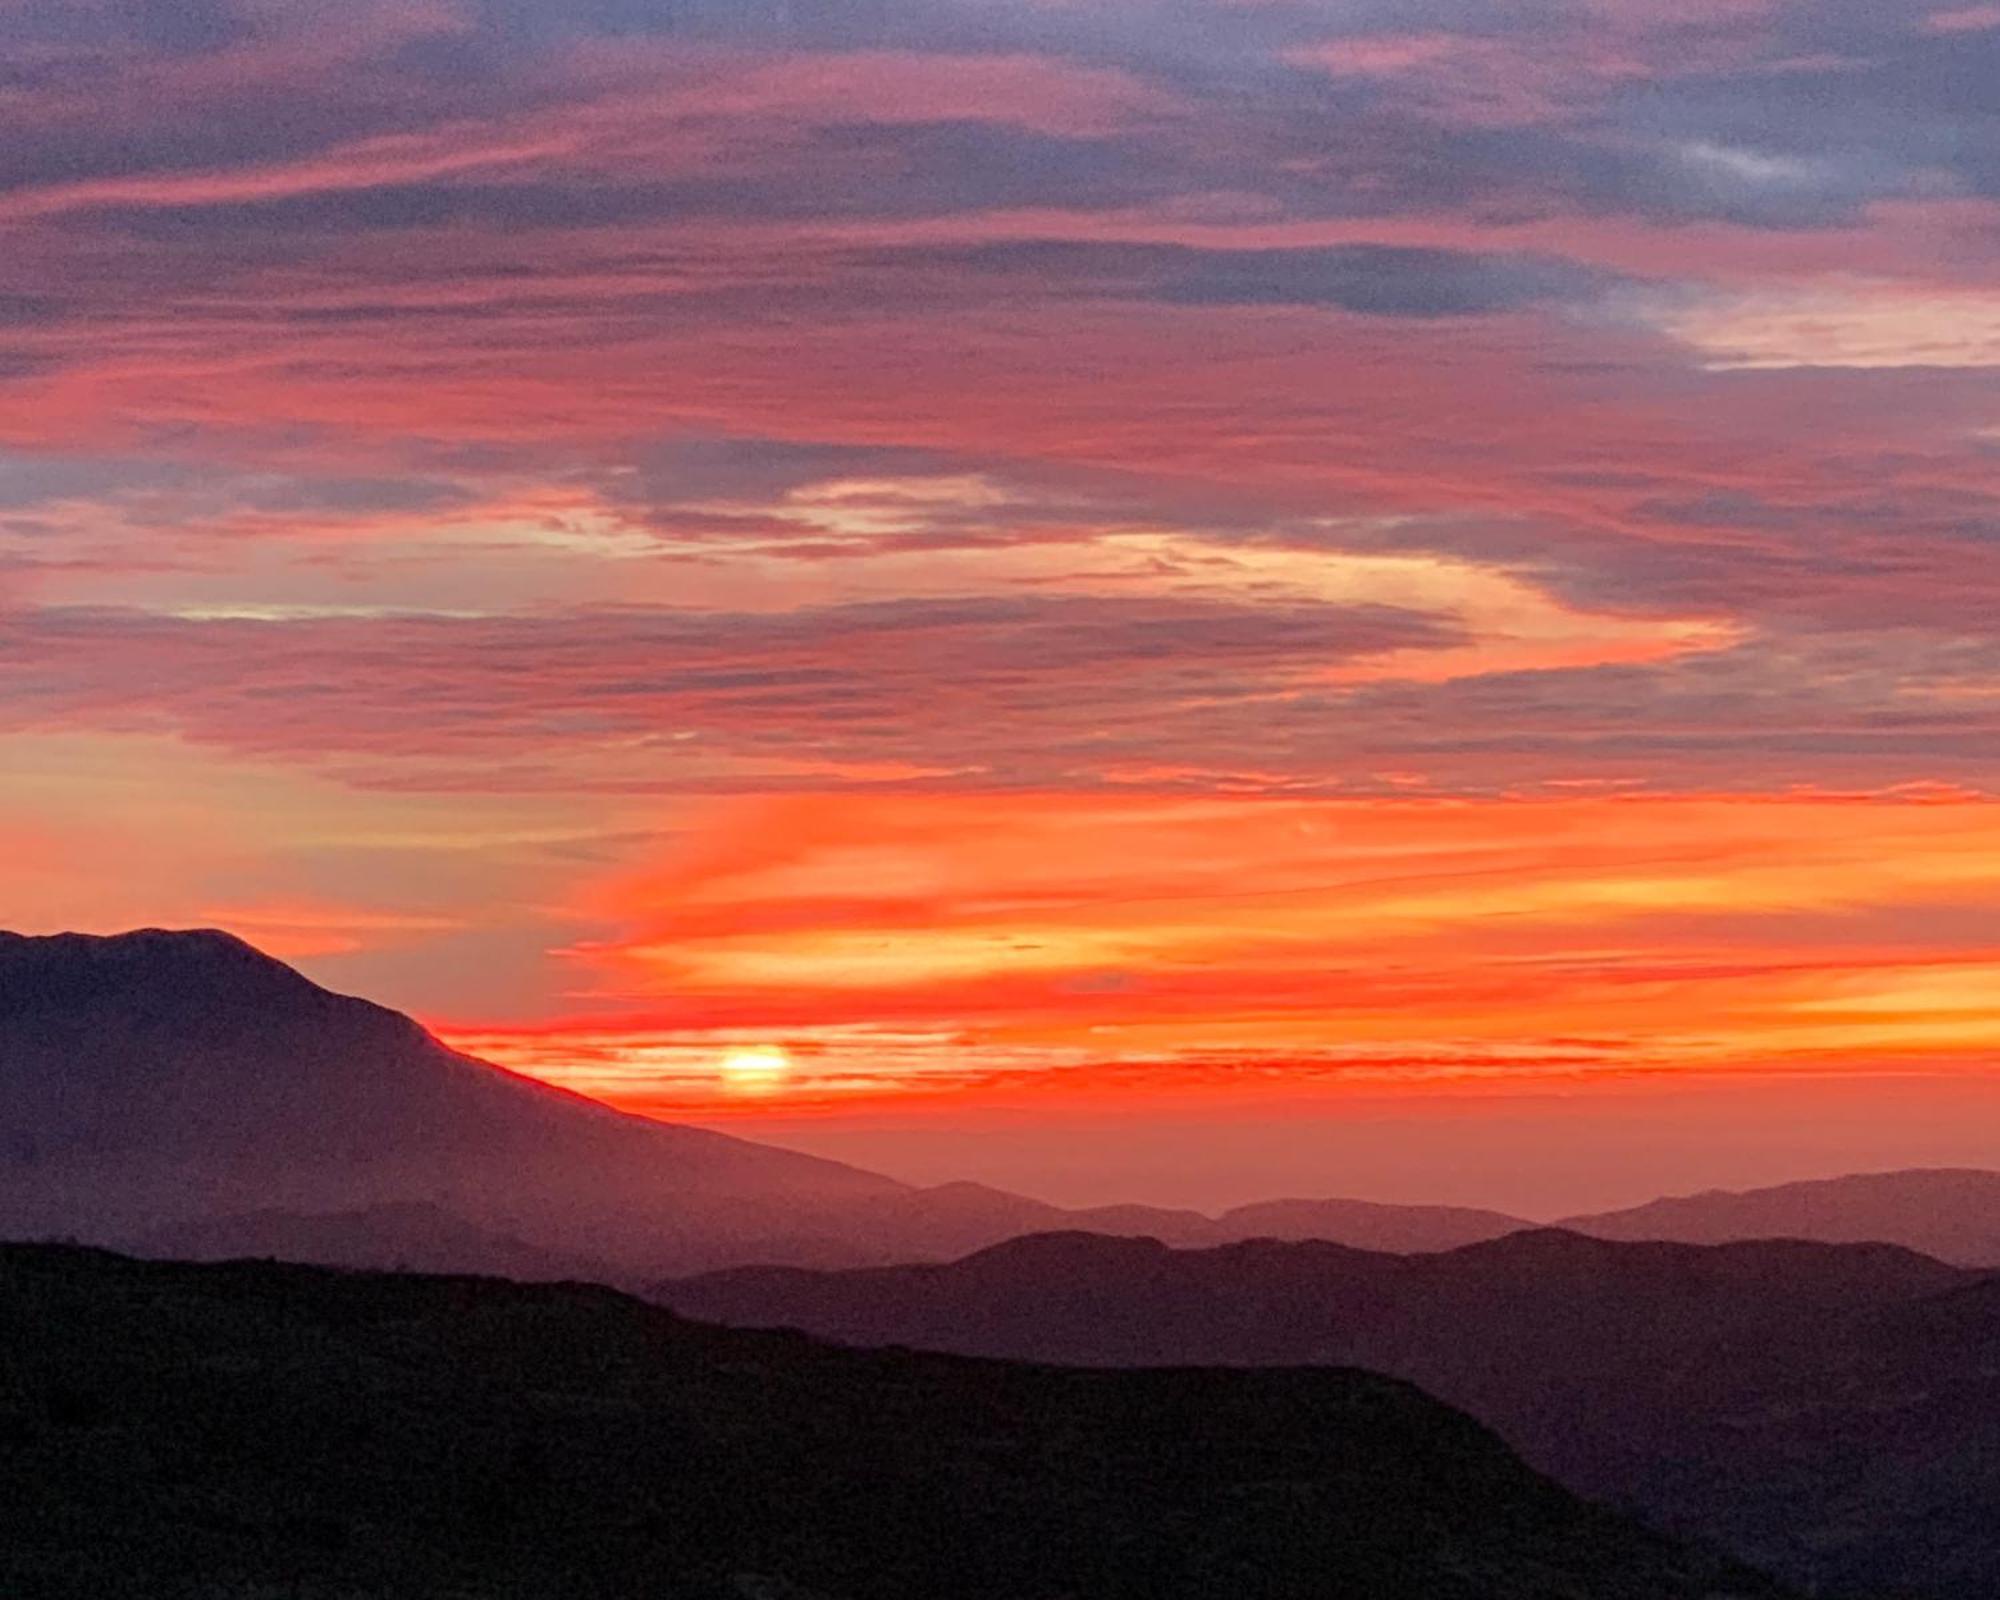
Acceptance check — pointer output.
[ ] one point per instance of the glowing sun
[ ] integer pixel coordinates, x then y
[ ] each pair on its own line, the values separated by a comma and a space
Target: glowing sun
757, 1070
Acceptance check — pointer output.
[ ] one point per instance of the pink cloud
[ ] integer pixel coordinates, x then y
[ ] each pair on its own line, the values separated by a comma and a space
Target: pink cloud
1966, 19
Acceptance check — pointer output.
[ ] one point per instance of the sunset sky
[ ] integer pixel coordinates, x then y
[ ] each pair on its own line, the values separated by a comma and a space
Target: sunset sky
1157, 599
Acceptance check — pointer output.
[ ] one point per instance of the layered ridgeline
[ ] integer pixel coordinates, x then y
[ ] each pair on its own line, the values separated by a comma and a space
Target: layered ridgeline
1828, 1412
184, 1095
255, 1430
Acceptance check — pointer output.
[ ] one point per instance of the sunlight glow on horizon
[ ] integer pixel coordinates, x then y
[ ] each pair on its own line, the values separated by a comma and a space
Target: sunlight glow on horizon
756, 1071
918, 949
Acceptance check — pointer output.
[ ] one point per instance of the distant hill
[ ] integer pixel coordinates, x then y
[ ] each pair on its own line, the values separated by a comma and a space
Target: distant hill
253, 1430
1368, 1225
1950, 1213
1473, 1317
1627, 1370
951, 1219
955, 1218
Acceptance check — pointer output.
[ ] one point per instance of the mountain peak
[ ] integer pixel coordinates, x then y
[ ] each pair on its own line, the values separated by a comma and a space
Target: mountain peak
165, 1045
63, 969
135, 940
163, 1075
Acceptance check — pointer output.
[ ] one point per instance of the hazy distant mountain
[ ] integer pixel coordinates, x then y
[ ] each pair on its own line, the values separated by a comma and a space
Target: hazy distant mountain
1483, 1325
952, 1219
956, 1218
1950, 1213
1367, 1225
156, 1079
228, 1432
1625, 1369
153, 1079
182, 1092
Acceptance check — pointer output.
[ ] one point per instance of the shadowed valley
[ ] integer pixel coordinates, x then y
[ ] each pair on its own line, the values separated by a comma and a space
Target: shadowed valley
231, 1432
1830, 1411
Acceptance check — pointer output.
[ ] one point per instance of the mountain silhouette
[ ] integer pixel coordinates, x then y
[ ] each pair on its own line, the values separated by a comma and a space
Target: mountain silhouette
152, 1079
1950, 1213
1535, 1299
156, 1080
182, 1093
1369, 1225
259, 1430
955, 1218
1623, 1369
1825, 1409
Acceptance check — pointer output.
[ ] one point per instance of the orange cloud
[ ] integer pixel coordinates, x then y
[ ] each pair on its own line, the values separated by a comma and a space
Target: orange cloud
921, 945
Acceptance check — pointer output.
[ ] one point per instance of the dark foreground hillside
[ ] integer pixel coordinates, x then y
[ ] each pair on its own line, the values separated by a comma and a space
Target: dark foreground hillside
1829, 1412
257, 1430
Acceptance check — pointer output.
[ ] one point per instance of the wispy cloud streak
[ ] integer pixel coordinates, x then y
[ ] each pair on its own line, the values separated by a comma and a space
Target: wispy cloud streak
478, 452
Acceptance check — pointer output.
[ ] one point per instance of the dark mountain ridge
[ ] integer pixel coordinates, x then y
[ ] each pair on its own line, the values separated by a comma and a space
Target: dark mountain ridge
1471, 1318
157, 1082
1733, 1391
219, 1433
